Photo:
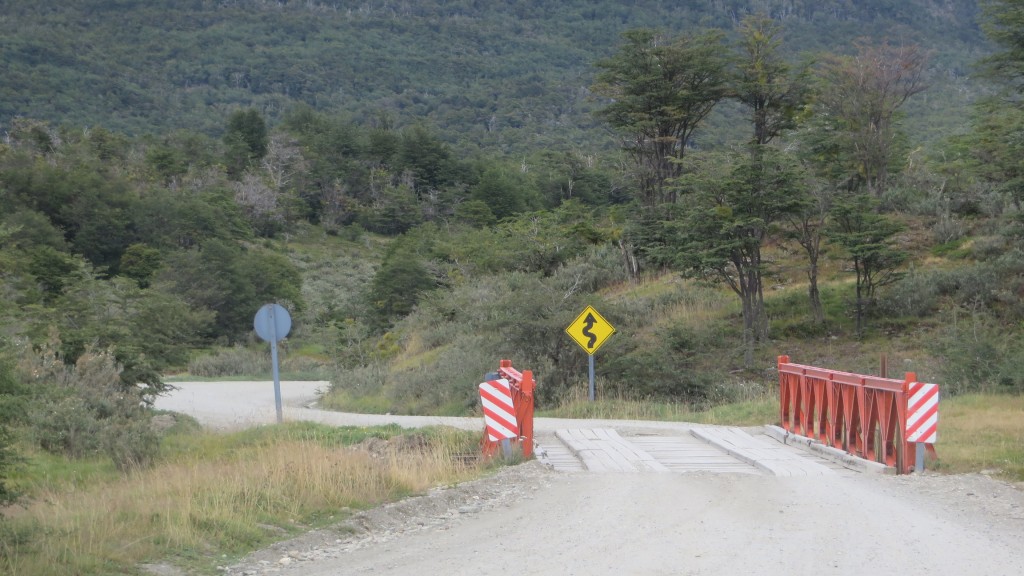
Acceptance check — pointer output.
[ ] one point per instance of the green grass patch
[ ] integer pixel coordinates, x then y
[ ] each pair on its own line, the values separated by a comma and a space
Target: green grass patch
955, 249
982, 432
42, 472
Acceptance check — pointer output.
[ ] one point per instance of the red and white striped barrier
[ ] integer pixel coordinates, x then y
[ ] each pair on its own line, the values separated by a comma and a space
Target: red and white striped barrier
499, 412
922, 412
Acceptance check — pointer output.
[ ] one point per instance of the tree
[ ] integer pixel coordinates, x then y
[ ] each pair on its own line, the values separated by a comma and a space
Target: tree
867, 238
505, 192
807, 227
660, 93
861, 96
1003, 22
772, 90
139, 262
246, 140
233, 283
733, 203
427, 157
996, 142
397, 286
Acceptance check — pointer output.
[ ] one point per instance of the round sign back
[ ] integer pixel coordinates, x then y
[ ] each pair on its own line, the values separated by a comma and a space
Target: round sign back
272, 322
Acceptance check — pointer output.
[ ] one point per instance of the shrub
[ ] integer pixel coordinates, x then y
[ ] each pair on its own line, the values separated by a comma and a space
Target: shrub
8, 458
915, 294
980, 357
948, 229
234, 361
65, 423
83, 409
130, 442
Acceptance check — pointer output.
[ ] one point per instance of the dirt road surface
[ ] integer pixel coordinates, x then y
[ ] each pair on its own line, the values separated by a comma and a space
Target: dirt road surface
726, 519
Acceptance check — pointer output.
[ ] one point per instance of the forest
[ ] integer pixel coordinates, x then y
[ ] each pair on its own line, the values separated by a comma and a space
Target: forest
431, 186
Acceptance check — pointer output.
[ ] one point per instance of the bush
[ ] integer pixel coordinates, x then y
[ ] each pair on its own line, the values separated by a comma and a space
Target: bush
915, 294
980, 357
66, 424
130, 442
83, 409
235, 361
8, 458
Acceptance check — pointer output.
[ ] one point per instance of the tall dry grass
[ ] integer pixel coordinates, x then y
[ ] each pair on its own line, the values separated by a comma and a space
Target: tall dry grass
194, 509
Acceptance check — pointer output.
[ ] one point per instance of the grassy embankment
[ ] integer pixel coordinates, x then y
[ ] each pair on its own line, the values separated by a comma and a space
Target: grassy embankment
214, 497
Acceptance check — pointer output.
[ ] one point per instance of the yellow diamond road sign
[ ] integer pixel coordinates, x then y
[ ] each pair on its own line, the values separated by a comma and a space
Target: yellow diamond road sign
590, 330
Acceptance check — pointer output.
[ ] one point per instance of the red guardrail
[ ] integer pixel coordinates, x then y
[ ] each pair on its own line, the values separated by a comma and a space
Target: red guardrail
522, 386
863, 415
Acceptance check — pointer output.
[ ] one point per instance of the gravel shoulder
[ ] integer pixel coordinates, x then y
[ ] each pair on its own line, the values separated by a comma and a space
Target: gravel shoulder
530, 520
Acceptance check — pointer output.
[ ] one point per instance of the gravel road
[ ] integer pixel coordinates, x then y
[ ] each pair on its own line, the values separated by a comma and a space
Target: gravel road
531, 520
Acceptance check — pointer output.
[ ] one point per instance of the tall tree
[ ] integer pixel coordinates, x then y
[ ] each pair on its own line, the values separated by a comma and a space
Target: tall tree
867, 238
807, 227
246, 139
1003, 22
733, 204
660, 92
861, 96
772, 90
996, 142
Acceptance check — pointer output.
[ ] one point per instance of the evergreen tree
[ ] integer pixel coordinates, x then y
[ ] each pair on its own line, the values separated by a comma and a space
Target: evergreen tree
866, 236
660, 91
246, 139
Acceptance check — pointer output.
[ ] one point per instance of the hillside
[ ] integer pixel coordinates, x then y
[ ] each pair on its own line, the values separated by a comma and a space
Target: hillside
164, 173
510, 76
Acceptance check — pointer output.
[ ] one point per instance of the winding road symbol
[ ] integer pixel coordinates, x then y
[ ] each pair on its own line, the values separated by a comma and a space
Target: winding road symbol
590, 330
587, 325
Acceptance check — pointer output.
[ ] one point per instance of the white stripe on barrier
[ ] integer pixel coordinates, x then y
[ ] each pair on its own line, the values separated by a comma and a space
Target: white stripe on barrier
499, 410
922, 413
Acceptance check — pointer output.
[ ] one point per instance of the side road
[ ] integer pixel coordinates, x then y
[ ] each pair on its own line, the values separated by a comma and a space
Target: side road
230, 405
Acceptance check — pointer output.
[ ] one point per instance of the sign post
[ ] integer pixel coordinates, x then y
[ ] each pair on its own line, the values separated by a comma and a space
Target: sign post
272, 323
590, 330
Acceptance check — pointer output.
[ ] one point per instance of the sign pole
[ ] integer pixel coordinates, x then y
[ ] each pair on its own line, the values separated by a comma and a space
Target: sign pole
591, 377
273, 361
272, 323
919, 449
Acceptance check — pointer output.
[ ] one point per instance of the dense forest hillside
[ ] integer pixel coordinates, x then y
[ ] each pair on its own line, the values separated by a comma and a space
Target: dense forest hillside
505, 75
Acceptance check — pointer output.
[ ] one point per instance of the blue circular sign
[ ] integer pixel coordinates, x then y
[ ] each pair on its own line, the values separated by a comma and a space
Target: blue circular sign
272, 322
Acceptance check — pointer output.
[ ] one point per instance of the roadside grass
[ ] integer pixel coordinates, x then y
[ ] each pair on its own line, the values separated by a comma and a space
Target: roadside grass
254, 363
214, 497
982, 432
757, 409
